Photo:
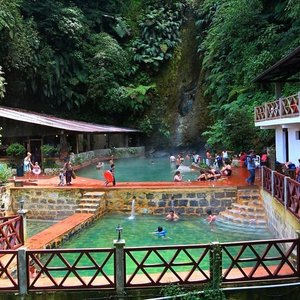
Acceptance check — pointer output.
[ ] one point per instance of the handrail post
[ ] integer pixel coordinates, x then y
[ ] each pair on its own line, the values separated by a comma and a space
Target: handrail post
22, 271
266, 111
215, 266
262, 173
272, 182
280, 106
285, 191
22, 212
120, 275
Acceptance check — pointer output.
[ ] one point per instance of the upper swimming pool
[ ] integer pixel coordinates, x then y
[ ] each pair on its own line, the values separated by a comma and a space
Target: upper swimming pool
140, 169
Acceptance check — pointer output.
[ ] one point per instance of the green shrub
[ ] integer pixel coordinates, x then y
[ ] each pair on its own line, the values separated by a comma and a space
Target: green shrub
16, 150
5, 172
49, 150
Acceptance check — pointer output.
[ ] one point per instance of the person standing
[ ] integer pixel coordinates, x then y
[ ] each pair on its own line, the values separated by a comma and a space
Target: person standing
112, 170
208, 158
27, 165
68, 170
250, 162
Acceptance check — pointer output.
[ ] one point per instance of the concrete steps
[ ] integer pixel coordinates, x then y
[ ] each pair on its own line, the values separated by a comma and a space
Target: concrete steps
247, 211
90, 202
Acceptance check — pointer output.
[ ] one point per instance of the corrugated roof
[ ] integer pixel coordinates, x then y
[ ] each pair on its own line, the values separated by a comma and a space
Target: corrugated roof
283, 69
51, 121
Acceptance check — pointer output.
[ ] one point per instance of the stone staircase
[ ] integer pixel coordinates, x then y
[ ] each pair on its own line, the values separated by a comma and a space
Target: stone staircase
247, 211
91, 202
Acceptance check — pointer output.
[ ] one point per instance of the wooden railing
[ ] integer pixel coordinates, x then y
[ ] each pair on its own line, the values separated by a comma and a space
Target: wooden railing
285, 189
67, 269
97, 269
281, 108
11, 232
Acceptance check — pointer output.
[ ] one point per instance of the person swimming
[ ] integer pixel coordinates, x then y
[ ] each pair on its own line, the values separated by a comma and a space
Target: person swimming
211, 218
160, 231
172, 216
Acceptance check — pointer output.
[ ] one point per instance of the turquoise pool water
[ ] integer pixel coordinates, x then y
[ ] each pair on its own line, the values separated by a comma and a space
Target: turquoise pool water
140, 169
138, 232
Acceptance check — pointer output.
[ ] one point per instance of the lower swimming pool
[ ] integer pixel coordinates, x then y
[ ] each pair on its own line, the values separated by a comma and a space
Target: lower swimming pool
139, 232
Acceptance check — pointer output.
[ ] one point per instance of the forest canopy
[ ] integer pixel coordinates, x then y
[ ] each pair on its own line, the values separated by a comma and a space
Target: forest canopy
102, 60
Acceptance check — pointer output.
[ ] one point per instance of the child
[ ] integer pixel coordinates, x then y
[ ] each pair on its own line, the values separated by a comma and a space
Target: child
36, 170
160, 232
61, 177
211, 218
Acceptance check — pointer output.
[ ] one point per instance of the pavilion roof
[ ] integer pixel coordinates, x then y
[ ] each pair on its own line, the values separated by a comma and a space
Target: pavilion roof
22, 115
283, 70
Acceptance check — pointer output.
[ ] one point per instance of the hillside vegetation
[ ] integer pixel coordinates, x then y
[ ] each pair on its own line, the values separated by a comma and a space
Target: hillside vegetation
180, 70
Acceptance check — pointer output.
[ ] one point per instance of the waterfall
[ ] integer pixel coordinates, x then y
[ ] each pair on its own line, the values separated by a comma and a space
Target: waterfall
132, 210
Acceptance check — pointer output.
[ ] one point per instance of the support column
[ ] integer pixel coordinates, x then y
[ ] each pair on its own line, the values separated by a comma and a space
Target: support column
22, 272
120, 266
22, 212
215, 267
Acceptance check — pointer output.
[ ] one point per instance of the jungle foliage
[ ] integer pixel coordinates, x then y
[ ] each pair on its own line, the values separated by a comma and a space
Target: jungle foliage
238, 40
97, 59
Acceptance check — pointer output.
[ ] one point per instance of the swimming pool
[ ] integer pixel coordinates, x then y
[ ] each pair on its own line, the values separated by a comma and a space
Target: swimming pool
139, 232
140, 169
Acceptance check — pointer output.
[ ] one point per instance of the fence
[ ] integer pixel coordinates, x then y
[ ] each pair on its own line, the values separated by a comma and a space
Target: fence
120, 267
285, 189
281, 108
11, 232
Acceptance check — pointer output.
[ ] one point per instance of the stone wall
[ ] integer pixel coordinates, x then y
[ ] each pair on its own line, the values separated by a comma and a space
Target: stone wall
57, 204
158, 202
280, 220
46, 204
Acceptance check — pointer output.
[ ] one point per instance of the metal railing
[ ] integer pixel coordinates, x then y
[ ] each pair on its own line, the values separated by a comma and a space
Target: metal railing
281, 108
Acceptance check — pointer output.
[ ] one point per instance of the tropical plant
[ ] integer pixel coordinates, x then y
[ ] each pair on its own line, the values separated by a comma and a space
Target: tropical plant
160, 32
16, 150
49, 150
5, 172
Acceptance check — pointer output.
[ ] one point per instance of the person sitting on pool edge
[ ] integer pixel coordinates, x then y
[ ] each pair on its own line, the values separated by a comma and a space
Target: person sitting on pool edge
172, 216
177, 176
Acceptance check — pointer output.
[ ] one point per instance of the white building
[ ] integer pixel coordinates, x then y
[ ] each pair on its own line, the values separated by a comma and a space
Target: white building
282, 113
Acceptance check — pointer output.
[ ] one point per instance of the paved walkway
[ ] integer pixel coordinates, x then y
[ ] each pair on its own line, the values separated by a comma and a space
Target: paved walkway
238, 178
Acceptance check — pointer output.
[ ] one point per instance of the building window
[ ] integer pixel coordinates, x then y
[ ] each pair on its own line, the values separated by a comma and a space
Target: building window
298, 135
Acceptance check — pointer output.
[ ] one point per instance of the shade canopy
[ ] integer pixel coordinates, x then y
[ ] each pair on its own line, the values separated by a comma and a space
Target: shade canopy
22, 115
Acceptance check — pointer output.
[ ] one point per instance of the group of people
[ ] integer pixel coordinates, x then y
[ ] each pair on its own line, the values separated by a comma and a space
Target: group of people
66, 174
172, 216
29, 167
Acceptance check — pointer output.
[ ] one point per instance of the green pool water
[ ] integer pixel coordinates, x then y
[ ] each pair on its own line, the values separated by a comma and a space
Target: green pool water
140, 169
139, 232
36, 226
